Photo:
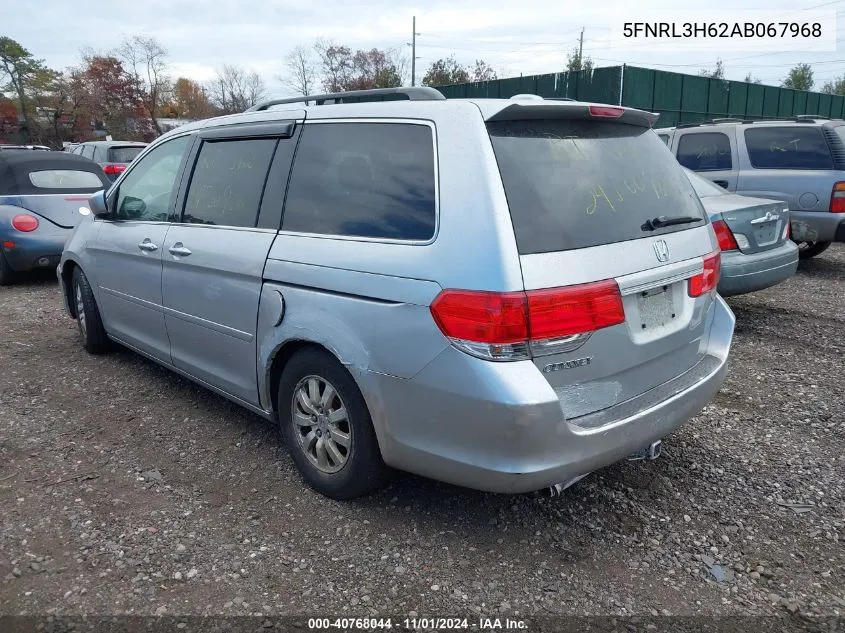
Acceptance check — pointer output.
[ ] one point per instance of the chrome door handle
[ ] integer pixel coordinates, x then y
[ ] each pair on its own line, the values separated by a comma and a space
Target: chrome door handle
147, 245
179, 249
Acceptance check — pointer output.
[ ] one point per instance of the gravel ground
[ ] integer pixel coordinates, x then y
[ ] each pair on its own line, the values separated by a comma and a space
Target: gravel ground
126, 489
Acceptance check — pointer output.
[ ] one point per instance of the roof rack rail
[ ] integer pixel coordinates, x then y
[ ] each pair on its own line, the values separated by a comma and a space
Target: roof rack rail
810, 117
714, 122
414, 93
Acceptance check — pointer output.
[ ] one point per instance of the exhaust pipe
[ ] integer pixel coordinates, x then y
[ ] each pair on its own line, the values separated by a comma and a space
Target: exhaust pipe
650, 453
556, 490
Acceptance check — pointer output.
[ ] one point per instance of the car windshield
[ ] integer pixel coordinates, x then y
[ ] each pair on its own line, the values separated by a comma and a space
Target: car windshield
703, 187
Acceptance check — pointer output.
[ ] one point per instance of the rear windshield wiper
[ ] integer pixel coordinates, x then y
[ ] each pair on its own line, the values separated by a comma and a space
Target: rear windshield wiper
662, 221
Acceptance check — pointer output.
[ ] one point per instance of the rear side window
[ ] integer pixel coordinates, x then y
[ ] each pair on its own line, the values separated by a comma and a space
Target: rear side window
575, 184
228, 180
372, 180
710, 151
65, 179
795, 147
664, 138
123, 154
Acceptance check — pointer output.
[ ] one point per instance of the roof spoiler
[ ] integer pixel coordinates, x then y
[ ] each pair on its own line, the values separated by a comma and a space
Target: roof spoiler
548, 109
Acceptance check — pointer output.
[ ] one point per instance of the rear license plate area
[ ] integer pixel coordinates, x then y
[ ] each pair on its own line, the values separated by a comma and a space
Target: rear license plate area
767, 233
656, 307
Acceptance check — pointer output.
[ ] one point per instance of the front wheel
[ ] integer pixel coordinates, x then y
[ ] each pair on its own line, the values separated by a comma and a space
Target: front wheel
807, 250
94, 338
327, 427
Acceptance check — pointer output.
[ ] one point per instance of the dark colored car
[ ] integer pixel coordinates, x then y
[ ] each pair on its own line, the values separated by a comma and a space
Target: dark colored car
112, 156
43, 195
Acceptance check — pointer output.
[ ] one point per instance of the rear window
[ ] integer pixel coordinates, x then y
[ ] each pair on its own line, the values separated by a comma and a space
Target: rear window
65, 179
576, 184
703, 187
123, 154
707, 151
794, 147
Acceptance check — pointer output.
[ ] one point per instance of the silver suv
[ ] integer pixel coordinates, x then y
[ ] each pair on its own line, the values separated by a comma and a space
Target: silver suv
799, 161
500, 294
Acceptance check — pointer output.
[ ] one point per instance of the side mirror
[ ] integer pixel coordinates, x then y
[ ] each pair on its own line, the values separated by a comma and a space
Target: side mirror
98, 205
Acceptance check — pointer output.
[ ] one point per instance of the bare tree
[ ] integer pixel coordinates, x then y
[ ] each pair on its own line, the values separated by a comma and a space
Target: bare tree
235, 90
301, 71
335, 65
146, 59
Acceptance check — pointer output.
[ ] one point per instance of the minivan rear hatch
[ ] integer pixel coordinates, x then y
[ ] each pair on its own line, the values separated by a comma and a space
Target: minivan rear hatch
604, 214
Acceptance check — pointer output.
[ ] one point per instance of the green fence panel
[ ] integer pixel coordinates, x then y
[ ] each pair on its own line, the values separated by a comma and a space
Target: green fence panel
824, 105
771, 101
455, 91
552, 85
638, 88
836, 104
695, 97
785, 99
602, 85
813, 103
509, 87
737, 99
754, 105
717, 98
667, 91
799, 103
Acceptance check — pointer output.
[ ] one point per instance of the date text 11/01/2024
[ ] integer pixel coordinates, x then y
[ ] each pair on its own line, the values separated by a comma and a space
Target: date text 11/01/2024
413, 624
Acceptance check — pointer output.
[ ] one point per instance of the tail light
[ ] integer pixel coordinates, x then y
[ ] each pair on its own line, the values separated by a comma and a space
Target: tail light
606, 111
707, 280
513, 325
727, 242
25, 223
787, 230
114, 170
837, 198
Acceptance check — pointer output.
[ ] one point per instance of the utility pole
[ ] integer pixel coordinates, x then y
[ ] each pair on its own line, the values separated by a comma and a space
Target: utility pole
581, 50
414, 51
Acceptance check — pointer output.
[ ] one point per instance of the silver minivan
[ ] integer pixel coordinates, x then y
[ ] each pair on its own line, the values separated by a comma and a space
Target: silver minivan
501, 294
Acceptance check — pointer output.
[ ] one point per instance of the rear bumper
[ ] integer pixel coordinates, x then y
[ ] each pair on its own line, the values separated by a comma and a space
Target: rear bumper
743, 273
499, 427
33, 251
817, 226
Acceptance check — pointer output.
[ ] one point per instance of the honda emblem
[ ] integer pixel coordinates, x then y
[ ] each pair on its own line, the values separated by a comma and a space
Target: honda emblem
661, 250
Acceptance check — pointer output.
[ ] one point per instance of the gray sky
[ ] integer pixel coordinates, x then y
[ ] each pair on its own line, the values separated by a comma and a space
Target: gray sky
203, 34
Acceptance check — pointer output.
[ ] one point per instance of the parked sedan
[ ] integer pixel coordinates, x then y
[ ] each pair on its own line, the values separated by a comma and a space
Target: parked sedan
43, 195
753, 235
113, 156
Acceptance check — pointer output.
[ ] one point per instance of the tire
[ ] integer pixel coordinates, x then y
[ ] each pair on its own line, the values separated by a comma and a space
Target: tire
94, 338
808, 250
7, 275
336, 471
